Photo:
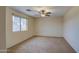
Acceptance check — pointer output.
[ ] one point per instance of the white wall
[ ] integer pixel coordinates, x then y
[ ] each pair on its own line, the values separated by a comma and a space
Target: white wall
13, 38
71, 28
49, 26
2, 29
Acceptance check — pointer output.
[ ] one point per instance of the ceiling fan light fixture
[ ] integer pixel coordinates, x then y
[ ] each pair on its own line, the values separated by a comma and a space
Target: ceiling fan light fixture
44, 13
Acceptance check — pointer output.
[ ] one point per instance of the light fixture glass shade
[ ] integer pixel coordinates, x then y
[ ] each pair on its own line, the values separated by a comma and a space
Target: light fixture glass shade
43, 15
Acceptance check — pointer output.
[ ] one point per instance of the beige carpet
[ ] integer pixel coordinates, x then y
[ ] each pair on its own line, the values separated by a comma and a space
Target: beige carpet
43, 45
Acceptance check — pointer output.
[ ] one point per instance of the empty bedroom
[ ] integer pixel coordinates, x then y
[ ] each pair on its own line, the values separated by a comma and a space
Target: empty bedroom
39, 29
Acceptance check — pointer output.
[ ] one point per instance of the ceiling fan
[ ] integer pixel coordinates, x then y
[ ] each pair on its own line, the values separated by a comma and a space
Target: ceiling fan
42, 12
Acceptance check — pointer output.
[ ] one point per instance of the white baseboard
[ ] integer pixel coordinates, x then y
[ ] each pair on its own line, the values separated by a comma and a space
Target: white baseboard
48, 36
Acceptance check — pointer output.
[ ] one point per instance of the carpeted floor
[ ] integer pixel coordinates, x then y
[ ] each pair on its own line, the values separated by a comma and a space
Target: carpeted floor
43, 45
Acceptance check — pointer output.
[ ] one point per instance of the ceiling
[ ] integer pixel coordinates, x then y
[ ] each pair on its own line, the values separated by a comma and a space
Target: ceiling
55, 10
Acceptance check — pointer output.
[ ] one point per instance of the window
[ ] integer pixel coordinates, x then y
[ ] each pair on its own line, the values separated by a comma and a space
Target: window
19, 24
24, 24
16, 24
